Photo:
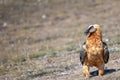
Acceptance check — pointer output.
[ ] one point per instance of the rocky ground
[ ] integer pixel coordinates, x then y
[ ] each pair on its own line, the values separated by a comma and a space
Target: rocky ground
40, 39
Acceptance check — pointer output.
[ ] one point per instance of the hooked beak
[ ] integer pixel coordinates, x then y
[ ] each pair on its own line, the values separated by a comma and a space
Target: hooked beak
90, 29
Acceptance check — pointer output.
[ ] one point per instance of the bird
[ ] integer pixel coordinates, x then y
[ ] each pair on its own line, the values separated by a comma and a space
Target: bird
94, 51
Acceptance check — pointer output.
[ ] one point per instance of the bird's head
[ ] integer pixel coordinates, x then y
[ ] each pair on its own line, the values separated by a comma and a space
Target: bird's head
93, 29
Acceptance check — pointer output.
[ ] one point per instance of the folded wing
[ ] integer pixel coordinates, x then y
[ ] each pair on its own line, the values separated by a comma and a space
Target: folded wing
106, 53
83, 54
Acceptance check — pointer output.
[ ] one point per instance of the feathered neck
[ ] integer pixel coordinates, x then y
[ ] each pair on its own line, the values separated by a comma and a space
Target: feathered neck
94, 39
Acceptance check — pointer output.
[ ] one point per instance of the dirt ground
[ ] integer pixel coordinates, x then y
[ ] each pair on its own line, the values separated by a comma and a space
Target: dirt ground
40, 39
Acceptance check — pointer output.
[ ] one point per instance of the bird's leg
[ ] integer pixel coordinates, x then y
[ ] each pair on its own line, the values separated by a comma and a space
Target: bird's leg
86, 71
101, 70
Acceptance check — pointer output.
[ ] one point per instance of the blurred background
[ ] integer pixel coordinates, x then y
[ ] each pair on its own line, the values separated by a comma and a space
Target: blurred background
40, 39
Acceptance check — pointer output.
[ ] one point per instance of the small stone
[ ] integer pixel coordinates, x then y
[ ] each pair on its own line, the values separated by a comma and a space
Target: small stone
106, 40
5, 24
44, 16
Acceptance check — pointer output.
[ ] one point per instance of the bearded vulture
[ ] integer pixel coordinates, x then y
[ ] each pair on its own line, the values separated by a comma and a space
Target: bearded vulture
94, 52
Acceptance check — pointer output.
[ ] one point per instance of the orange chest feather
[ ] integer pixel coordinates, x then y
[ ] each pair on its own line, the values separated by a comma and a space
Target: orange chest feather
94, 40
94, 56
94, 49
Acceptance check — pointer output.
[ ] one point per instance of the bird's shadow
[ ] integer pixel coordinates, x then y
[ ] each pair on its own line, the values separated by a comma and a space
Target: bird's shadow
106, 71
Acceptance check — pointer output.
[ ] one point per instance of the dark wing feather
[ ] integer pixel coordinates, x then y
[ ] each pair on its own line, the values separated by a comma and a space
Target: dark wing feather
106, 53
83, 54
